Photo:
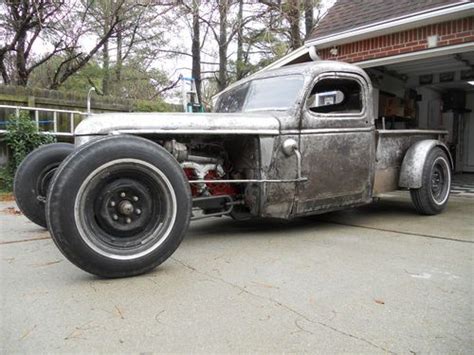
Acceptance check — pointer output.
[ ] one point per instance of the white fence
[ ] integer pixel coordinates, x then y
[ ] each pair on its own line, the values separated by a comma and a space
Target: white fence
48, 121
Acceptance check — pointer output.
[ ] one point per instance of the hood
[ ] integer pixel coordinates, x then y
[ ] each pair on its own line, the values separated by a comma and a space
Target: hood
262, 123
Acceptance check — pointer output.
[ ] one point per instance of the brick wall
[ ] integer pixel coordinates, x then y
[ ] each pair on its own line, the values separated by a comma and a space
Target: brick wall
449, 33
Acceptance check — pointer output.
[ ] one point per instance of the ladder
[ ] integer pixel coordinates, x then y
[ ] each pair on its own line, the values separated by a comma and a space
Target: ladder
190, 99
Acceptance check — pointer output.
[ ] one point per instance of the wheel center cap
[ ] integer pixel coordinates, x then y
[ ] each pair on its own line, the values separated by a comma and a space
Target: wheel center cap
126, 208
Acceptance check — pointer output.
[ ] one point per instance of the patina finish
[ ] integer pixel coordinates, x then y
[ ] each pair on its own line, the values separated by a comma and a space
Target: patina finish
291, 161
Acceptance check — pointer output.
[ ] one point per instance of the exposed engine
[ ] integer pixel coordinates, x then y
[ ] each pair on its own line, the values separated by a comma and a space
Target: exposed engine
204, 161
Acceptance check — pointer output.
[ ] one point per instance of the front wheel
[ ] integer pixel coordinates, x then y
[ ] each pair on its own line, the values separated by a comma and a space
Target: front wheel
33, 177
432, 197
119, 206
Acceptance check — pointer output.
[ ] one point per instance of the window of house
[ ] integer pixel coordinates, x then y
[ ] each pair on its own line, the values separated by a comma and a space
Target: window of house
335, 96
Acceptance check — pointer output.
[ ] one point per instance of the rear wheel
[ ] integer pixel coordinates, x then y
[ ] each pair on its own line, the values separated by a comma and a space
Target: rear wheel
119, 206
33, 177
432, 197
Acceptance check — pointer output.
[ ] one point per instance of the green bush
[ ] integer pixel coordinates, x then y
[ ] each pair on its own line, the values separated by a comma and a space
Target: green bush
155, 106
21, 138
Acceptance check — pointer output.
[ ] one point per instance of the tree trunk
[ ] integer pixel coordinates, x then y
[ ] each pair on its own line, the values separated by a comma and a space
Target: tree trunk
222, 80
22, 73
196, 49
293, 15
118, 66
3, 70
105, 49
308, 17
105, 68
240, 50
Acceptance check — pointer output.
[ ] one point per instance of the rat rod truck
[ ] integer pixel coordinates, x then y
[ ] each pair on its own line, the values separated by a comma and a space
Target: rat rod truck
289, 142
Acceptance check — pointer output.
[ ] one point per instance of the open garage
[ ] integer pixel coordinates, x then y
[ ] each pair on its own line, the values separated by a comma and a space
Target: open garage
436, 92
420, 57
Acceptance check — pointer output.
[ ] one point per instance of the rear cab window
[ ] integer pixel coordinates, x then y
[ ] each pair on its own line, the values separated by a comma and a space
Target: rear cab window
336, 96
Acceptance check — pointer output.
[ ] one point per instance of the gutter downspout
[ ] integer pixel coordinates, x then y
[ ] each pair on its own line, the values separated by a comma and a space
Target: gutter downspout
313, 53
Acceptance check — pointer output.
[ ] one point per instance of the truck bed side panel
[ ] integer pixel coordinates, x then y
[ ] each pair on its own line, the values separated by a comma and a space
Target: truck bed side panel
391, 148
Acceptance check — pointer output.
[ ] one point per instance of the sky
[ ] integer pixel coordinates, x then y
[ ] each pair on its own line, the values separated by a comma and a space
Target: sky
174, 66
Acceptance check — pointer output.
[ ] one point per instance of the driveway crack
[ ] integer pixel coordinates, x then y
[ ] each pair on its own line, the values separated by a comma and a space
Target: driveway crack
431, 236
282, 305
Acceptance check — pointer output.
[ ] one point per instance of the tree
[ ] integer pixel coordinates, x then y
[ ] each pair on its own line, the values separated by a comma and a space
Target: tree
61, 25
21, 23
308, 17
138, 33
284, 18
56, 24
196, 48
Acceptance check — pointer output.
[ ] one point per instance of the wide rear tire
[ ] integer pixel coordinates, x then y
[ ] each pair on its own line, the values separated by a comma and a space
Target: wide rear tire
33, 177
433, 195
119, 206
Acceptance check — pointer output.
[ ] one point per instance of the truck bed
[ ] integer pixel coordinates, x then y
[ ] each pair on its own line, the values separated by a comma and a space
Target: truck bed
391, 146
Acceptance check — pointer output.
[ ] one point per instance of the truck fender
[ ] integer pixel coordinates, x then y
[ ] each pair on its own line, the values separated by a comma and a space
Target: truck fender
414, 161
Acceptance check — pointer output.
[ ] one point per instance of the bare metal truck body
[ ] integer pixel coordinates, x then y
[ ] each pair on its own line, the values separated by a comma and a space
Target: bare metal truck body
294, 141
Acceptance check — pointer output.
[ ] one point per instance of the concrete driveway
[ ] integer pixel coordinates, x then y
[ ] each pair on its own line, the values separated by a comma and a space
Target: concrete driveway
375, 279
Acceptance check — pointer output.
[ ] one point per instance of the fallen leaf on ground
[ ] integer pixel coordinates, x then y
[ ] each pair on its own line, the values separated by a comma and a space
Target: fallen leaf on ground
264, 285
119, 312
12, 210
28, 332
48, 263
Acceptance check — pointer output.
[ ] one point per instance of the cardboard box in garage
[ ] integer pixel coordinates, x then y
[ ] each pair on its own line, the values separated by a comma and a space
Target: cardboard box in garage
391, 106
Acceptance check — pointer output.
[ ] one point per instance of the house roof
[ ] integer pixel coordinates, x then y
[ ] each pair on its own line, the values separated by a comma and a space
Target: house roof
349, 14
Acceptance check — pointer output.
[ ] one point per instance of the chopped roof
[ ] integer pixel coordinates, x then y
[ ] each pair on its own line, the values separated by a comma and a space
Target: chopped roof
350, 14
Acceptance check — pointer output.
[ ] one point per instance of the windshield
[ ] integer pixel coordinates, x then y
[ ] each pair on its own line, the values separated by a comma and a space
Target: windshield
276, 93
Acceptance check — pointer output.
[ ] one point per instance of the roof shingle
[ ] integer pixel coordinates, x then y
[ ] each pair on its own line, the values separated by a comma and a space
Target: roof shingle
349, 14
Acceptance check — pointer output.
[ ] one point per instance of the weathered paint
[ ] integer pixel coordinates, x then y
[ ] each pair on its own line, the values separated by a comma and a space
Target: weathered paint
277, 200
177, 123
338, 153
343, 156
391, 149
413, 162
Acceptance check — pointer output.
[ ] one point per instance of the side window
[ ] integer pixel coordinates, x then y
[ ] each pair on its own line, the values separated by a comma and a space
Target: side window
335, 95
232, 100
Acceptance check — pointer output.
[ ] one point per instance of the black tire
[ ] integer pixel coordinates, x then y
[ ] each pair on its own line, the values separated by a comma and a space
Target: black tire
119, 206
433, 195
33, 177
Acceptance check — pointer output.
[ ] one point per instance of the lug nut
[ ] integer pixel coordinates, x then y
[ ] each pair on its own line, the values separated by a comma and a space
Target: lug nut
138, 211
112, 203
135, 198
122, 194
128, 220
115, 217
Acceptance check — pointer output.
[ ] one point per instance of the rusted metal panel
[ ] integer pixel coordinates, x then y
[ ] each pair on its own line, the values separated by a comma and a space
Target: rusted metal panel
413, 162
392, 147
277, 199
343, 157
179, 123
339, 168
386, 180
338, 152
